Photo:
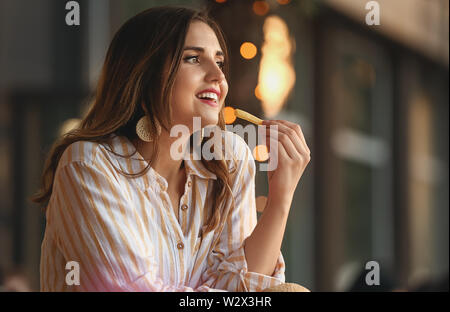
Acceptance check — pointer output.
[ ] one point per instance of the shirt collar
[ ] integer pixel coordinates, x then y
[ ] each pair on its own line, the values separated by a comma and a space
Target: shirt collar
136, 163
196, 167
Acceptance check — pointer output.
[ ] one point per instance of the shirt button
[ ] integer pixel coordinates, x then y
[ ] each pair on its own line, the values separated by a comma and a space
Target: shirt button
184, 207
180, 246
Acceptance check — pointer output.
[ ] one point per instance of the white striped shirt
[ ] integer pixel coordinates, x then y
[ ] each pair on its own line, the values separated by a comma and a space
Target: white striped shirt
125, 236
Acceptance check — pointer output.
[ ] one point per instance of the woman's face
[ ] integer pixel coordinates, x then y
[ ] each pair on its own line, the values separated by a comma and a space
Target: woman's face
200, 69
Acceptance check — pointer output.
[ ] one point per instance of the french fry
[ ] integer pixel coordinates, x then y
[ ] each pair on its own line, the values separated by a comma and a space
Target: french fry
247, 116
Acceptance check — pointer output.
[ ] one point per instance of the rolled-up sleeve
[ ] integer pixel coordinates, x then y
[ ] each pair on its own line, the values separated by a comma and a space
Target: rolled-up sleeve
227, 263
94, 224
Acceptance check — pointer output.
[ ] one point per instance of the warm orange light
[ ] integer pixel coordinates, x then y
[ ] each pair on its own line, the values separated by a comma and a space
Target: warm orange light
282, 2
261, 202
221, 1
69, 125
258, 93
248, 50
276, 74
228, 115
260, 153
260, 8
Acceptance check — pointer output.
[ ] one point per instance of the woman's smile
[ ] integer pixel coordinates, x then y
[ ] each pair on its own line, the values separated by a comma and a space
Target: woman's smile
210, 102
209, 96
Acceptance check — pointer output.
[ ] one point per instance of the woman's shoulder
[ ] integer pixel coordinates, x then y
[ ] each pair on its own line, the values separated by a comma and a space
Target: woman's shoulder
111, 155
80, 151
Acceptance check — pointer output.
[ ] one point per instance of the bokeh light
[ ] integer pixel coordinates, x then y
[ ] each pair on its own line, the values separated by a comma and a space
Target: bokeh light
260, 8
248, 50
261, 202
260, 153
228, 115
258, 93
69, 125
276, 75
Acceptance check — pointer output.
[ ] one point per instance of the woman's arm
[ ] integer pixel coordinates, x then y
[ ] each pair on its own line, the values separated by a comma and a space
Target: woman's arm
262, 247
227, 265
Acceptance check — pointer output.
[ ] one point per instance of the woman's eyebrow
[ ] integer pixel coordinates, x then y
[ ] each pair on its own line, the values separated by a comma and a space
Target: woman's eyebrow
200, 49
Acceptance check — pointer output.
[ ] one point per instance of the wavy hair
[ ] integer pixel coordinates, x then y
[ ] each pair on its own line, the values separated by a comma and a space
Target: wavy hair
137, 76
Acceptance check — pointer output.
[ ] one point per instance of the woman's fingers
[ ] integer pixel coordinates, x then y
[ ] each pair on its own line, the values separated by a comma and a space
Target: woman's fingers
286, 143
298, 130
289, 138
271, 142
283, 142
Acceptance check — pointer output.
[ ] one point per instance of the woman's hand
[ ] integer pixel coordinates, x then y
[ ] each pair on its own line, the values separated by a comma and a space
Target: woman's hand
293, 157
262, 247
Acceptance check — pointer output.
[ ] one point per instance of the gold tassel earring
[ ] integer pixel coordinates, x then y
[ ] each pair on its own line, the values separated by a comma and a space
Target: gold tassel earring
143, 129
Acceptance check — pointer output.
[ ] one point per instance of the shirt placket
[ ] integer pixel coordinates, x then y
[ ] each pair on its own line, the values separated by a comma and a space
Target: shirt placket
179, 240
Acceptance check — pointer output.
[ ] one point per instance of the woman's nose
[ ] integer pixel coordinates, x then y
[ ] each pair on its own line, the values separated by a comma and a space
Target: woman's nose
215, 73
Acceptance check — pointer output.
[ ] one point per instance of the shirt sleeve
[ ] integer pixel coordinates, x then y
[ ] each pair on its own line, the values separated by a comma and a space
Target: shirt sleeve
227, 263
95, 225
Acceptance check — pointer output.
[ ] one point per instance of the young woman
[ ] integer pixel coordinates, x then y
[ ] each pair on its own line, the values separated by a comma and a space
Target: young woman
128, 217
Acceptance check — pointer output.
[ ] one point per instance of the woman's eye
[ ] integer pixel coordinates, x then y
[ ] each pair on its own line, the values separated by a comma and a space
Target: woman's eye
188, 59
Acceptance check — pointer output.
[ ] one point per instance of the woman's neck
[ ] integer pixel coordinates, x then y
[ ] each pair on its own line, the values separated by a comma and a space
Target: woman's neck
164, 164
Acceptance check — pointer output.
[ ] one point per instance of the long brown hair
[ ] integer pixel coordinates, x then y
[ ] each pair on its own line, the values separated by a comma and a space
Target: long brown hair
137, 76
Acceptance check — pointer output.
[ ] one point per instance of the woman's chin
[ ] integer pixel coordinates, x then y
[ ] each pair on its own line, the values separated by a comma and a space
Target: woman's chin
210, 121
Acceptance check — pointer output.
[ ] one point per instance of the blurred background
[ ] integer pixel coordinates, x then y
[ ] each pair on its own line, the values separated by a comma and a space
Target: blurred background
372, 100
